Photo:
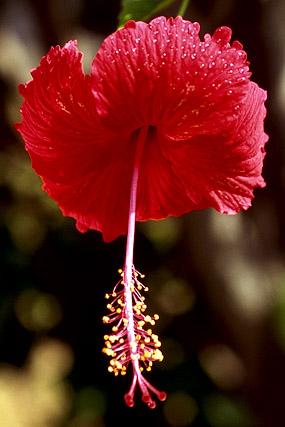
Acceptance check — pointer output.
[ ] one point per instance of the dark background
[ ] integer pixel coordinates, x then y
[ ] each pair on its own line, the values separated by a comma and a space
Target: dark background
217, 281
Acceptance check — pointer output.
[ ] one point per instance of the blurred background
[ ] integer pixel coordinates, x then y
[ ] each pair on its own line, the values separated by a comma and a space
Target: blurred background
217, 281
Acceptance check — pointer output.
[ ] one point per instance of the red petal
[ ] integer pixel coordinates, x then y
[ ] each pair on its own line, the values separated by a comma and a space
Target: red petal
222, 170
99, 200
196, 93
206, 138
76, 157
162, 74
60, 125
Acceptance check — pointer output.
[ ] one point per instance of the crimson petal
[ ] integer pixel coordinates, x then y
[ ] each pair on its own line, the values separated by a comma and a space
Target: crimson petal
205, 145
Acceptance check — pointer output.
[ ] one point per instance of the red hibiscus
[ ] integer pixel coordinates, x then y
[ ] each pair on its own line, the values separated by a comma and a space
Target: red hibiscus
165, 124
205, 141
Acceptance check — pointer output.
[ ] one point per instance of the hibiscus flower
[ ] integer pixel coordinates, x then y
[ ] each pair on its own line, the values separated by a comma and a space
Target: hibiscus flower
165, 124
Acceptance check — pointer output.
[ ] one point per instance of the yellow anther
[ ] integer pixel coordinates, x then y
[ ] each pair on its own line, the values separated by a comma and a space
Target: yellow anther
158, 356
109, 352
144, 347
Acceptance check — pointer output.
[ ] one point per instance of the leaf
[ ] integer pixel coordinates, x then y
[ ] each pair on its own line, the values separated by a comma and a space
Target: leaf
141, 10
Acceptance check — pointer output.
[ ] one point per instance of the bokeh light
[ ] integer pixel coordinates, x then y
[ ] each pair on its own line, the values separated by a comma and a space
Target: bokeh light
180, 409
223, 366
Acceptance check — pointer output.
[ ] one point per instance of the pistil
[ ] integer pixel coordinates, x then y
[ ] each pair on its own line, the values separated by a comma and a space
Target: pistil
131, 343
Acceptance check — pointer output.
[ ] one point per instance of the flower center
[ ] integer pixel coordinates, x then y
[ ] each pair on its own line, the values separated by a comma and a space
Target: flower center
131, 343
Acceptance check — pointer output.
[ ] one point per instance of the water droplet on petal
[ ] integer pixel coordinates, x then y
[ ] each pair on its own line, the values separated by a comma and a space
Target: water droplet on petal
207, 39
196, 26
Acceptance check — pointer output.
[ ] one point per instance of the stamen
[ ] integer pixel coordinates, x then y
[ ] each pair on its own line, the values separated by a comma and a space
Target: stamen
130, 342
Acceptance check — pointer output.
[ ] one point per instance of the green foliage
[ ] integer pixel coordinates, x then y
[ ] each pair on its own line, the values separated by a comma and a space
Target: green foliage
141, 10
